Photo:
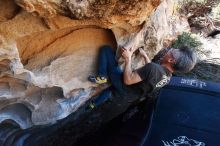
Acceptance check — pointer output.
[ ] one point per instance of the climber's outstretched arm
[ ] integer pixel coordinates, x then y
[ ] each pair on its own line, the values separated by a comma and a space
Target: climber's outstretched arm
129, 76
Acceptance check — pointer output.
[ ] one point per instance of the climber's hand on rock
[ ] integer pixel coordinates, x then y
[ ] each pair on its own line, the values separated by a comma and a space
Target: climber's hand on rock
127, 53
142, 52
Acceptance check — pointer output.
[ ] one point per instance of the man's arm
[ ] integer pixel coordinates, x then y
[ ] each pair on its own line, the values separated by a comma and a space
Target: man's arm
129, 76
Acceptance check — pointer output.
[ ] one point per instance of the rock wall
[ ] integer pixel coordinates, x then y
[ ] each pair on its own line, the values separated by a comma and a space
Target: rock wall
48, 48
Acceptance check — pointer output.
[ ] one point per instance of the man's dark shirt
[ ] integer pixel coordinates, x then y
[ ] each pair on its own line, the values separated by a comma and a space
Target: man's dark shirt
154, 76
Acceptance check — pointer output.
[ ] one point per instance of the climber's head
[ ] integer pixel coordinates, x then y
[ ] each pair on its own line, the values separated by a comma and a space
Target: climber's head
182, 59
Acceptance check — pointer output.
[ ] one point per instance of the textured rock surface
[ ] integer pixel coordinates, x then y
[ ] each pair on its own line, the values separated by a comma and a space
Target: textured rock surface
45, 58
8, 9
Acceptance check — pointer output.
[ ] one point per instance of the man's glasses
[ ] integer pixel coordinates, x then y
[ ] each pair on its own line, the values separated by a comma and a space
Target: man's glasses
173, 53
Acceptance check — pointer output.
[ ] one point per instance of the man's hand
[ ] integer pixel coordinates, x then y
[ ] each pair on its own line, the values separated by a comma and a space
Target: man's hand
127, 53
143, 54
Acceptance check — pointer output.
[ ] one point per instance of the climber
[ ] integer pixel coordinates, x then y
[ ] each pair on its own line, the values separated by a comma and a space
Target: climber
139, 83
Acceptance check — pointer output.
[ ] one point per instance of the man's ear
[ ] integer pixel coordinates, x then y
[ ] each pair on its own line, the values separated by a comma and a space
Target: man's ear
171, 60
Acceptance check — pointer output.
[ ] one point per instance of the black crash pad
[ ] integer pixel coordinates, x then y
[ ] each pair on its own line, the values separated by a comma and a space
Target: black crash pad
187, 113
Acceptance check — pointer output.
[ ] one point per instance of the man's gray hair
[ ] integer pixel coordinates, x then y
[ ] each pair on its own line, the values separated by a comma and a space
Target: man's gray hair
186, 61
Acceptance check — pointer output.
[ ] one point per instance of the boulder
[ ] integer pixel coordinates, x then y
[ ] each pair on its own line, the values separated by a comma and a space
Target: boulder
48, 48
